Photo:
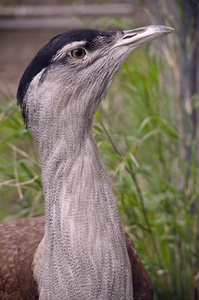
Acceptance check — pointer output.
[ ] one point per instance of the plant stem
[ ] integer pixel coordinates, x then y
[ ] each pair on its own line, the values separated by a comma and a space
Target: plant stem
144, 211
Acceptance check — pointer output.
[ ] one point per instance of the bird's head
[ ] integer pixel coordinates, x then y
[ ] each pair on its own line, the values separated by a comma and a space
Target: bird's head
71, 74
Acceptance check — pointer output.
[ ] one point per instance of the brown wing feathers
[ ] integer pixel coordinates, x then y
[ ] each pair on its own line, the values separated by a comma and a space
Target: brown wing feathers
18, 242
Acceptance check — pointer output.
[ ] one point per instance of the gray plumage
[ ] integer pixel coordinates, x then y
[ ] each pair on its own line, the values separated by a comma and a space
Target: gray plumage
83, 252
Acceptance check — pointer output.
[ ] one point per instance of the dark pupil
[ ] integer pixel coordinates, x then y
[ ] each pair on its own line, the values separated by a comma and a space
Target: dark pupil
78, 52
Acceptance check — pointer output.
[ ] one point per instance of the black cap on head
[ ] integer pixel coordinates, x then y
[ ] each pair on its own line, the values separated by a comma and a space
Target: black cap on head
49, 50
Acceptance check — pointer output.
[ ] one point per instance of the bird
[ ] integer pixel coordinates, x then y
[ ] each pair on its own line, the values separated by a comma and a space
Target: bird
79, 250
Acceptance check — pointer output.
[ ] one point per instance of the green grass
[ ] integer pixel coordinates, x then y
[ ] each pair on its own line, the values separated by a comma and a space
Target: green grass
20, 182
138, 133
157, 191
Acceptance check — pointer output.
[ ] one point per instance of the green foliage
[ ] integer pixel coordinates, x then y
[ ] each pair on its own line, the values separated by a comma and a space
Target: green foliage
20, 182
158, 203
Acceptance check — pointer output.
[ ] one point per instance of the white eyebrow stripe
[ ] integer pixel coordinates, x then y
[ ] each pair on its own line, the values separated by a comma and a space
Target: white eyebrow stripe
62, 52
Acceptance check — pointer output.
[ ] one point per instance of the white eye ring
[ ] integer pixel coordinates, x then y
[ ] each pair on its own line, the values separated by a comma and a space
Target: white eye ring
78, 53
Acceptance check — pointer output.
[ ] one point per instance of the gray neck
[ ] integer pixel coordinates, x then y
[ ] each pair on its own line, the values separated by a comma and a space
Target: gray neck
83, 253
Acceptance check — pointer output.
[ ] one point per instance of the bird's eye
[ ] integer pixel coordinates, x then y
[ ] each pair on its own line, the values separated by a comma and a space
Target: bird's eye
78, 53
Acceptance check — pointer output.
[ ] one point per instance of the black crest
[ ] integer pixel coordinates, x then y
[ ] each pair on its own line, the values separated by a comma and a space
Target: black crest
44, 57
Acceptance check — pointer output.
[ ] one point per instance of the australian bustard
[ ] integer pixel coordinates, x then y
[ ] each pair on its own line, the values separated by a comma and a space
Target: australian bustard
82, 253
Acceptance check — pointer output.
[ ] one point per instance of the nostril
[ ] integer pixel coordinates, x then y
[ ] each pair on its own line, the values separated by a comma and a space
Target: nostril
129, 36
131, 33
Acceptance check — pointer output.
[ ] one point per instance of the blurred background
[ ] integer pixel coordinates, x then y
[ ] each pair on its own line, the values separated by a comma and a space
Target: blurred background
147, 128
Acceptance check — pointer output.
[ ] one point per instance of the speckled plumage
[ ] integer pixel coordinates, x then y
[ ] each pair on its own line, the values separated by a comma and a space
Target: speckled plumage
83, 253
18, 242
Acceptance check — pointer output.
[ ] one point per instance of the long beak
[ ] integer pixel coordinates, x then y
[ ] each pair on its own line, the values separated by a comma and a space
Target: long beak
140, 36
